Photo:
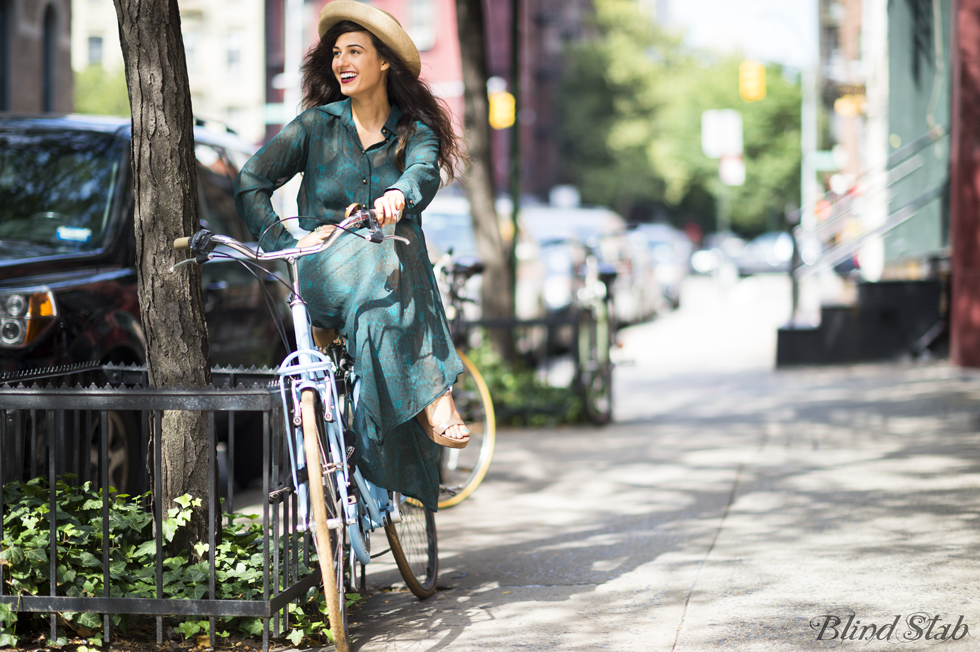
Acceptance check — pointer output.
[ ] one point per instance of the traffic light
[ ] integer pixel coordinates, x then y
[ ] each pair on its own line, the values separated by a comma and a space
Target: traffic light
752, 81
501, 110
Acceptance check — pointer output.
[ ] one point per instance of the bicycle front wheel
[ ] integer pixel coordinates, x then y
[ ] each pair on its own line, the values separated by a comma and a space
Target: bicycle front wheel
328, 518
414, 546
461, 470
595, 338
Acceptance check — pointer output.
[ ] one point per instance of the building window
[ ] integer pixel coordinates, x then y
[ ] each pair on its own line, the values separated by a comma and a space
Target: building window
422, 23
49, 46
233, 43
95, 50
6, 21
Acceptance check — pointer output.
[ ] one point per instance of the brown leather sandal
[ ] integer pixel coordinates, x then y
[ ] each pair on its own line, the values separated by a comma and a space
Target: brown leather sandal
437, 432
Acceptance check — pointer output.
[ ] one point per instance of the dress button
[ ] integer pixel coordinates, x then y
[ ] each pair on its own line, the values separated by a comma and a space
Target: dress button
364, 180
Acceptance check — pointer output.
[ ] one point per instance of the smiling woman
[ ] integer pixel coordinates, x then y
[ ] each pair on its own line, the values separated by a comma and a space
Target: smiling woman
372, 134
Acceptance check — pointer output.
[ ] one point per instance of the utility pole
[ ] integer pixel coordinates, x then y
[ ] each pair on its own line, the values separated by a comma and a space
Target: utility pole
515, 134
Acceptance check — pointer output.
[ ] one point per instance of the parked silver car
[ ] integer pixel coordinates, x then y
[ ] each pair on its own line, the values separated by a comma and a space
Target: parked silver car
671, 251
770, 252
636, 290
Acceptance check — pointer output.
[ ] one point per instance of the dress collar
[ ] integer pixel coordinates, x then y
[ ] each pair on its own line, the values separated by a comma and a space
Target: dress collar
342, 110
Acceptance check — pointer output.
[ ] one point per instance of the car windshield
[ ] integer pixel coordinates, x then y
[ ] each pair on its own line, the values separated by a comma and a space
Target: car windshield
56, 187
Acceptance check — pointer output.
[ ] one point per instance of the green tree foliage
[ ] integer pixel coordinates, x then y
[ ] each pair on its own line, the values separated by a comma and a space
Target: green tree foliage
101, 92
632, 99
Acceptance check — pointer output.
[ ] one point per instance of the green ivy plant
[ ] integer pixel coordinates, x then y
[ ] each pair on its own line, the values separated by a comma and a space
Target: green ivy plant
520, 398
25, 568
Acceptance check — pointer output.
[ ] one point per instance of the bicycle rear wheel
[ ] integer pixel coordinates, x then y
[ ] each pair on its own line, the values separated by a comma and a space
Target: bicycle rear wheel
461, 470
414, 545
327, 511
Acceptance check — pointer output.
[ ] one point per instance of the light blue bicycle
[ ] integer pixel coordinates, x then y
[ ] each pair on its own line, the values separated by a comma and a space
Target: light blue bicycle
319, 391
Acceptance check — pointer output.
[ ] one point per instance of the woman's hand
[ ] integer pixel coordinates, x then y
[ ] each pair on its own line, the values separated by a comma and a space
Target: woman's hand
317, 236
389, 206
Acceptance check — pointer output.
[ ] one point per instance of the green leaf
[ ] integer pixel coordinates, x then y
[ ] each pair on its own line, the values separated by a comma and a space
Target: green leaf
169, 529
189, 628
65, 575
251, 626
90, 620
147, 549
8, 640
89, 560
7, 615
37, 555
174, 562
296, 636
13, 554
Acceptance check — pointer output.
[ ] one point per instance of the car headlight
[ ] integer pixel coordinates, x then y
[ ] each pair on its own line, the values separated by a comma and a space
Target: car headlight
25, 316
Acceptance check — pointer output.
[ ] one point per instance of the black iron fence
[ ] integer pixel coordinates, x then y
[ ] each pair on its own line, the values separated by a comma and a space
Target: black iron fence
47, 431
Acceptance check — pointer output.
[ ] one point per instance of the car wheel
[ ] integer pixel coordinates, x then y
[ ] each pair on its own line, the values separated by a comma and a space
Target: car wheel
123, 456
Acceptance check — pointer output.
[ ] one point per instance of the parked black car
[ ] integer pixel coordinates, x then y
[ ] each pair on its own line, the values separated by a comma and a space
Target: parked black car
68, 289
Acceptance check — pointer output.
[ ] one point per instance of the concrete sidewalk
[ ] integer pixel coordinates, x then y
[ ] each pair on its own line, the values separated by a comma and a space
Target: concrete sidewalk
730, 507
741, 512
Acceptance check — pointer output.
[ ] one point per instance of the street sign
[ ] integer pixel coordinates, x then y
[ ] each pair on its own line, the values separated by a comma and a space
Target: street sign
721, 133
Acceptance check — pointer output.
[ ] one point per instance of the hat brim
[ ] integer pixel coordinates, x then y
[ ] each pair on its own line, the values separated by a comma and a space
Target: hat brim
378, 22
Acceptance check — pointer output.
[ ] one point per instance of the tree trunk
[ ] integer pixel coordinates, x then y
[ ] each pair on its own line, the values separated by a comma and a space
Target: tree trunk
498, 296
165, 192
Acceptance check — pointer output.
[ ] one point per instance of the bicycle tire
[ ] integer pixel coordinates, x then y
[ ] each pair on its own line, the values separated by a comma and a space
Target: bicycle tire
415, 546
329, 546
461, 470
595, 365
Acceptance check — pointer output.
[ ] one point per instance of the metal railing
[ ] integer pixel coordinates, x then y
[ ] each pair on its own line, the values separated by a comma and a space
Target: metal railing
901, 165
41, 426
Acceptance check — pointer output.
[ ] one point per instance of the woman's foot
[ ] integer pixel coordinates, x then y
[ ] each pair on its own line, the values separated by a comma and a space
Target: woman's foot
442, 423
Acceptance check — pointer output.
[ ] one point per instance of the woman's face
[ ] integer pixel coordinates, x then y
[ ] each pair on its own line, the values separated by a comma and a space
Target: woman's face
357, 65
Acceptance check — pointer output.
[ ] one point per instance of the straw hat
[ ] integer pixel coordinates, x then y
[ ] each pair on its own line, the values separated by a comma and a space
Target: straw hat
378, 22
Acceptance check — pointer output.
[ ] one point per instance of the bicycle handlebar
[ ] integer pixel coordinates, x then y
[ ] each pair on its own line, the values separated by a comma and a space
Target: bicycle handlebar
203, 242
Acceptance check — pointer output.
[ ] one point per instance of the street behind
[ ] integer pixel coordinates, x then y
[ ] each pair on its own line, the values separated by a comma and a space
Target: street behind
730, 506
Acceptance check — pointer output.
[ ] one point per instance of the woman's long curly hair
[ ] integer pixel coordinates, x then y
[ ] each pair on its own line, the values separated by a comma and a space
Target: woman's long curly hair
412, 95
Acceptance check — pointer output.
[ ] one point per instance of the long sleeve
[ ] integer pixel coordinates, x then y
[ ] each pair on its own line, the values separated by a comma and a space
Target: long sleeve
420, 180
272, 166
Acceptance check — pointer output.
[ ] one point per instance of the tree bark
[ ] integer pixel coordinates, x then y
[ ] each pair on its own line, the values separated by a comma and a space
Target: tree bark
498, 296
165, 192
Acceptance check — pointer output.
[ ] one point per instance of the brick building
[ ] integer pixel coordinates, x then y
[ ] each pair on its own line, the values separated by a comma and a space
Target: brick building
35, 56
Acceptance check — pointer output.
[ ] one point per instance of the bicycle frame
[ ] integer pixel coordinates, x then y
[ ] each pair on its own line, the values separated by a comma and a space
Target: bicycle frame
307, 368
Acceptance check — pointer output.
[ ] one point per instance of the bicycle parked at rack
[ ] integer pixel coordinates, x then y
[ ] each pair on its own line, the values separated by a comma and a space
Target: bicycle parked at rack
319, 392
596, 336
462, 470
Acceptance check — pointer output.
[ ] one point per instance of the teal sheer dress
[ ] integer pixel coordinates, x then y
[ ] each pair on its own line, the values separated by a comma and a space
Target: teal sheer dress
383, 297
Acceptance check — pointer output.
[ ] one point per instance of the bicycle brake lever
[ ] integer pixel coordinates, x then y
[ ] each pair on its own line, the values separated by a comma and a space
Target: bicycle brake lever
400, 239
374, 227
185, 262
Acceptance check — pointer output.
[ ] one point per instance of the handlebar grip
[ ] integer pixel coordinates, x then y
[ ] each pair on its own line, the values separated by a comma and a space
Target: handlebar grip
182, 243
